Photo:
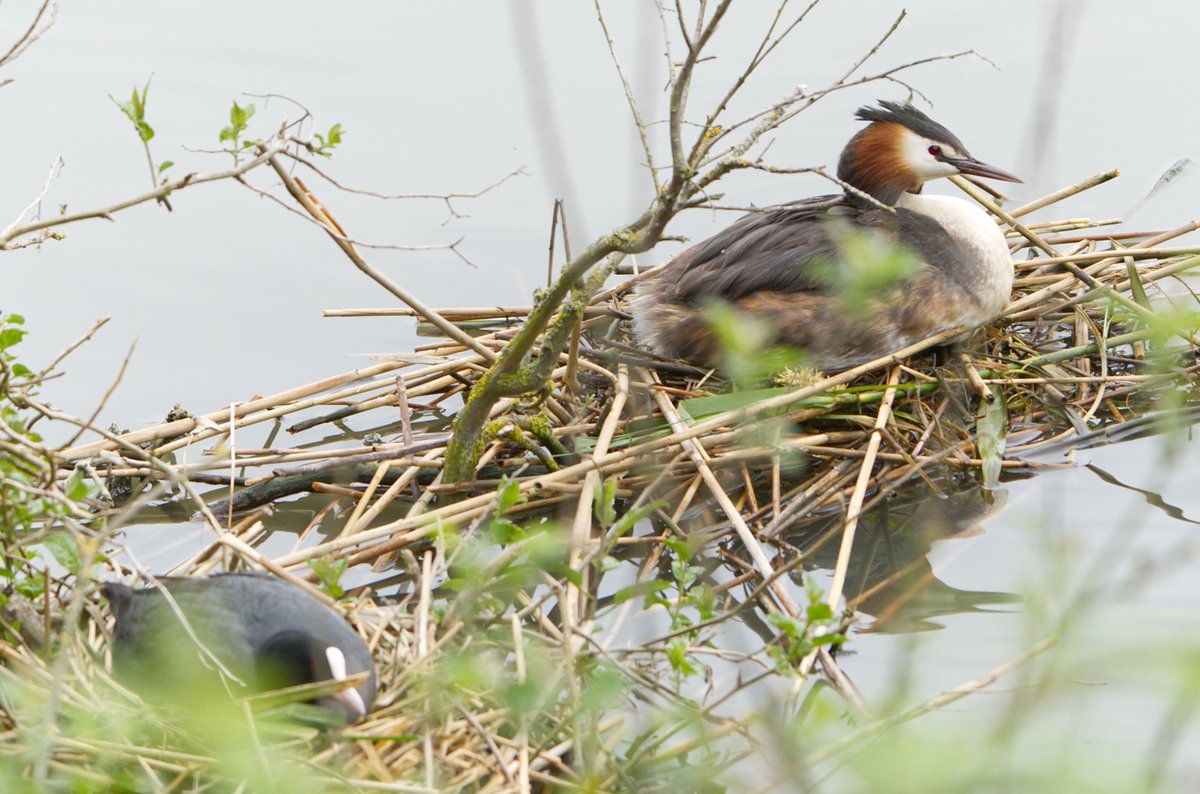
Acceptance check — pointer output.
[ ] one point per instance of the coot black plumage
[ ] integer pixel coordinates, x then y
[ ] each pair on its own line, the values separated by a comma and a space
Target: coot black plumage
263, 630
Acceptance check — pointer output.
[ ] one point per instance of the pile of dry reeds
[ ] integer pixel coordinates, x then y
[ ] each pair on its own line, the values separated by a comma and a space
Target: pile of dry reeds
631, 466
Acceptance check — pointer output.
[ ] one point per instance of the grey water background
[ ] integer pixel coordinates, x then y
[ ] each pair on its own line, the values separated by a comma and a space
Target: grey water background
224, 295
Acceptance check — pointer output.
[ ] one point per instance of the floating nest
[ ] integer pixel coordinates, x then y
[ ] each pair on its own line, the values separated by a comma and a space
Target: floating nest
560, 619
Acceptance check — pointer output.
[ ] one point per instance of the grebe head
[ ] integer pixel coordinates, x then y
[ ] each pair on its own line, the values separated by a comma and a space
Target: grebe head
901, 149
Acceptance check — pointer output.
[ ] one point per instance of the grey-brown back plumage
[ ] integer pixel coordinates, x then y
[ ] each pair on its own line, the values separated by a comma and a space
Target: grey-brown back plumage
777, 264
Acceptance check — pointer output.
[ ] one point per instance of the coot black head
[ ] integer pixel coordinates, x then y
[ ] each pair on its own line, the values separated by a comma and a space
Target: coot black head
262, 633
295, 657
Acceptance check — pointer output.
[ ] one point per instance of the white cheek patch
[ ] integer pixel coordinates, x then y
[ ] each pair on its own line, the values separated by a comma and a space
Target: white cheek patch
337, 662
915, 150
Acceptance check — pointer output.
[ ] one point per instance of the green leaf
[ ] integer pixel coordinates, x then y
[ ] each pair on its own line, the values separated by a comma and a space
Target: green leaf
677, 655
990, 430
813, 590
638, 430
505, 532
10, 337
329, 571
787, 624
704, 598
508, 495
697, 409
77, 489
565, 571
523, 698
685, 575
239, 118
681, 547
165, 165
680, 620
326, 143
819, 611
870, 265
135, 111
782, 665
628, 521
603, 689
604, 505
655, 600
1135, 283
65, 550
829, 639
648, 587
747, 355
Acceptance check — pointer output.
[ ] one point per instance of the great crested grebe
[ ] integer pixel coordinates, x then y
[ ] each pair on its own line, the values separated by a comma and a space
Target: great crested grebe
775, 264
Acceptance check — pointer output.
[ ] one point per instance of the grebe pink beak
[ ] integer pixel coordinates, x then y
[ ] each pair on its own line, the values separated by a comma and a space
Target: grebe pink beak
969, 165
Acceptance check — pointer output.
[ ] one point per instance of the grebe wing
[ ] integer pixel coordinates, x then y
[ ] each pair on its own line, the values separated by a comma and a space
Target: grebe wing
766, 250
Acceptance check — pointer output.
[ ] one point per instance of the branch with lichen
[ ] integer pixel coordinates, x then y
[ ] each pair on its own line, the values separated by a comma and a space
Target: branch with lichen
694, 168
510, 376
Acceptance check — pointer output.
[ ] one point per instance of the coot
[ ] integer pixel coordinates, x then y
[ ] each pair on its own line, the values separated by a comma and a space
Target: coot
263, 630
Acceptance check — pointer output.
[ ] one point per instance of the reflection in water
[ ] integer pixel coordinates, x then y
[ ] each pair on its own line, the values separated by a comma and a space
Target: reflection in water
890, 577
1153, 499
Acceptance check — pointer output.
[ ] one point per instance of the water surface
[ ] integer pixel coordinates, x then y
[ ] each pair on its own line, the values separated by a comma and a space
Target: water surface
224, 295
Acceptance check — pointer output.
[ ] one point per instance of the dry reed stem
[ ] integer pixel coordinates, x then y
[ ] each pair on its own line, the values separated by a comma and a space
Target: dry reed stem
186, 426
699, 460
834, 596
581, 530
1064, 193
334, 230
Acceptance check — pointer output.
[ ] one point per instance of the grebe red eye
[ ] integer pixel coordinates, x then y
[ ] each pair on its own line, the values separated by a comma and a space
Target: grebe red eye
935, 150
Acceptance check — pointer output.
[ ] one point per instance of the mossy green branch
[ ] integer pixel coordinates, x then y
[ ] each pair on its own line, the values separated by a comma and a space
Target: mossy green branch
511, 376
504, 428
